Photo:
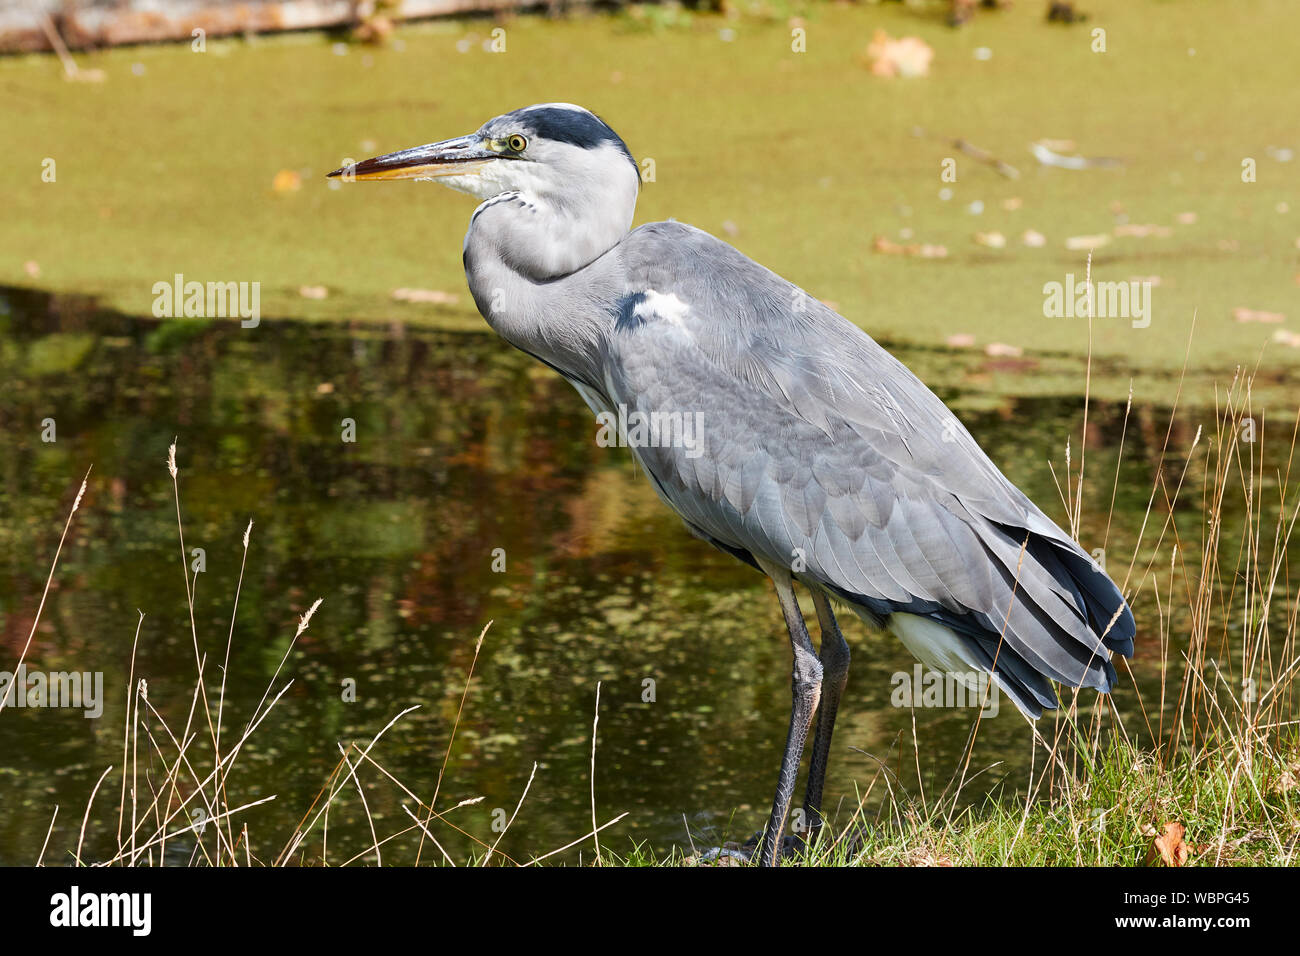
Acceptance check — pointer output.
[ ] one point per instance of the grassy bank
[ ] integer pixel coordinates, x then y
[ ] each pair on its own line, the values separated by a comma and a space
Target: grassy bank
211, 165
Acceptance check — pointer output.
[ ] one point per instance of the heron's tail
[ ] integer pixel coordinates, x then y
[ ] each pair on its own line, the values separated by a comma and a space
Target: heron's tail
1055, 615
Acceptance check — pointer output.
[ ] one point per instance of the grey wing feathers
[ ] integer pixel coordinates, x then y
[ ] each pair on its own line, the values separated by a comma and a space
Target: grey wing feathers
818, 447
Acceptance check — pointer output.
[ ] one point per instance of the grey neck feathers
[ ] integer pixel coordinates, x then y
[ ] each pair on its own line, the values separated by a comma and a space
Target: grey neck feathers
547, 279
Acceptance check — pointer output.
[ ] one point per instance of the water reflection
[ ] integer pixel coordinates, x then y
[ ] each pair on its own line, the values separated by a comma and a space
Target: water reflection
462, 447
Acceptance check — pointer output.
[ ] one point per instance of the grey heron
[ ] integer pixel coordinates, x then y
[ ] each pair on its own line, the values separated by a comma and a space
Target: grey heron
820, 458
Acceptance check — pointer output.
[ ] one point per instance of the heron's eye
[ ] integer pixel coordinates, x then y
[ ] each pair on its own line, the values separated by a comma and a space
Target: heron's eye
517, 143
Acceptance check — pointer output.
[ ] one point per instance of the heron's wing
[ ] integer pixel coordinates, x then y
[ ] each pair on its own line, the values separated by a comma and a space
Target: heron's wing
804, 442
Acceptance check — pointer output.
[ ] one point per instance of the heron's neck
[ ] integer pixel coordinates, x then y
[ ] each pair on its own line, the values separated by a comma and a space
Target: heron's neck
545, 279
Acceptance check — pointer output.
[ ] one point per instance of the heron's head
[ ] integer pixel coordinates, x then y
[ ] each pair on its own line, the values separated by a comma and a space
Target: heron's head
551, 150
573, 179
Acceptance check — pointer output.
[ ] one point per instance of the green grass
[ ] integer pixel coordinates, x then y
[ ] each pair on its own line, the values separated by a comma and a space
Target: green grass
1237, 812
801, 160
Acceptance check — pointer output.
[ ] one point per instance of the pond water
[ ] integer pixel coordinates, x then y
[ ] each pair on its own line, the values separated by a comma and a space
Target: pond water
462, 447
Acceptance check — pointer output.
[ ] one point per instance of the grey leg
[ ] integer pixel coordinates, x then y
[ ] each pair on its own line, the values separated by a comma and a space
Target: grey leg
806, 685
835, 674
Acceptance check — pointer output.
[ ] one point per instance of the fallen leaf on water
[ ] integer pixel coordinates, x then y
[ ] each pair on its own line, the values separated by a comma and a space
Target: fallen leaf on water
1142, 231
93, 75
1168, 848
313, 291
1050, 157
1081, 243
430, 296
906, 56
286, 181
1060, 145
921, 250
1002, 350
1243, 314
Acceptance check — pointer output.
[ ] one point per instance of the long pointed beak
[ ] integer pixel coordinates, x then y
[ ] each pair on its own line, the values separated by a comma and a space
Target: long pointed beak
451, 157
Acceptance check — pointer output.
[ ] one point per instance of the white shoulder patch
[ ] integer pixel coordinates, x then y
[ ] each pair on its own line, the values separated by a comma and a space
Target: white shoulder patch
667, 307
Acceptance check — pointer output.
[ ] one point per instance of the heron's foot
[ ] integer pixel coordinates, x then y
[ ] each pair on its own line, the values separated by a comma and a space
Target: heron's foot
742, 854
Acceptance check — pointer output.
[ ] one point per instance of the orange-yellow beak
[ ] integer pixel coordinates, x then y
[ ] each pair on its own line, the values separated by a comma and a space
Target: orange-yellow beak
452, 157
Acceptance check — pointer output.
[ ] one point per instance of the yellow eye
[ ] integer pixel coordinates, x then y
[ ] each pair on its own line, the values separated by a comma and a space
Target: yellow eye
517, 143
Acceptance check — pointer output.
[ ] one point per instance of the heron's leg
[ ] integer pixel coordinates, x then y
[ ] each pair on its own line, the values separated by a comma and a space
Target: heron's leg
835, 674
806, 682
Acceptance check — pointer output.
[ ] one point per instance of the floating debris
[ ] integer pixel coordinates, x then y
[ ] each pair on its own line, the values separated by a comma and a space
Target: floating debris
287, 181
1050, 157
425, 296
1086, 243
921, 250
1243, 314
1002, 350
906, 56
1142, 231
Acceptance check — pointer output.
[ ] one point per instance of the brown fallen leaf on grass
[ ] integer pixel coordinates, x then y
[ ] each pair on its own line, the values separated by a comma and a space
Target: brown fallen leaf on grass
1289, 778
1168, 849
426, 296
1243, 314
926, 856
921, 250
